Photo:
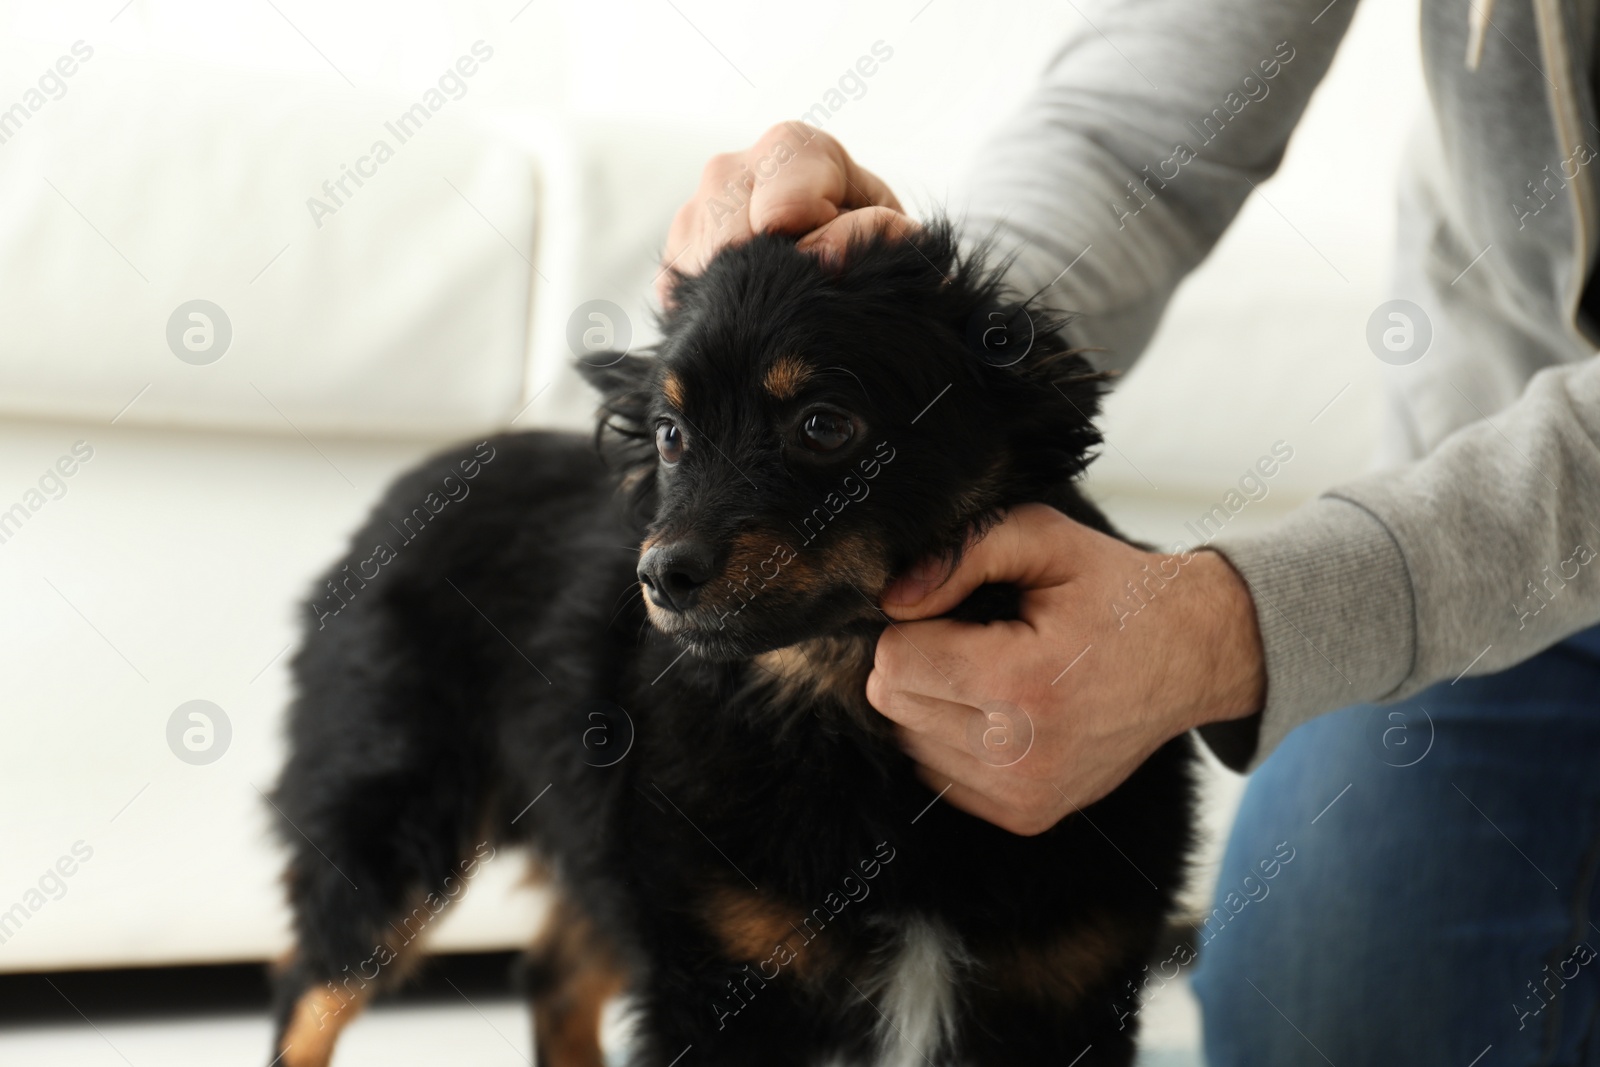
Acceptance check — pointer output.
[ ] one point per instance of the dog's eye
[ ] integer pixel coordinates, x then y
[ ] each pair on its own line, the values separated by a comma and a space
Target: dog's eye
669, 442
825, 431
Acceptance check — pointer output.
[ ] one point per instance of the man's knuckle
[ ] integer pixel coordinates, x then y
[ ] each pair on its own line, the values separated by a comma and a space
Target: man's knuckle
1028, 815
781, 131
877, 690
1037, 824
683, 221
718, 166
886, 656
1025, 822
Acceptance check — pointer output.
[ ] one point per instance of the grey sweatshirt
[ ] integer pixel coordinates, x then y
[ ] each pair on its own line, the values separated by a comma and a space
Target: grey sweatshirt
1474, 546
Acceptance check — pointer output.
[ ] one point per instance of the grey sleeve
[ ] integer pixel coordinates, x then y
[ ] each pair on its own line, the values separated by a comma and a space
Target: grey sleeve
1464, 562
1150, 128
1114, 180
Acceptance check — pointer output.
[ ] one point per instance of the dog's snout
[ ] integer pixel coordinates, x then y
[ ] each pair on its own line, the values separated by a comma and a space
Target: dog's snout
674, 573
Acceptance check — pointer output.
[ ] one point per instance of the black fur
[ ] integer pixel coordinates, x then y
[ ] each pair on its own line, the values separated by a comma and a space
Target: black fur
502, 652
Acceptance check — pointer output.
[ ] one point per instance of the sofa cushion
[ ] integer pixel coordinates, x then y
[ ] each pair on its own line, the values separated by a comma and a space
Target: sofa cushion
187, 245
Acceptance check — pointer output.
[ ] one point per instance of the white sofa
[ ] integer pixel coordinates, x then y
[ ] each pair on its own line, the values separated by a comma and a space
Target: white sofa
210, 481
435, 303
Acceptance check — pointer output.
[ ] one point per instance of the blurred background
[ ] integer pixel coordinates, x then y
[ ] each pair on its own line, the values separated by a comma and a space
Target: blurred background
217, 346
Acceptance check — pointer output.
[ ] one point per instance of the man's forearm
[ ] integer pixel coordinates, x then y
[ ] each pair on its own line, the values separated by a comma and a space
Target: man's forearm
1149, 129
1467, 561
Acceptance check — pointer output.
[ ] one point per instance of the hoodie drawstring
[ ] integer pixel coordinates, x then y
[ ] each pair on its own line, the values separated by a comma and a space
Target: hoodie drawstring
1477, 28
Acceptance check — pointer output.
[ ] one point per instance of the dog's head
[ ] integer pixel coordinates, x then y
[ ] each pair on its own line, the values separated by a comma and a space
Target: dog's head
804, 432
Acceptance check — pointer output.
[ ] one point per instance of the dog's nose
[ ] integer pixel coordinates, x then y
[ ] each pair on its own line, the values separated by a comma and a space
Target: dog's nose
674, 573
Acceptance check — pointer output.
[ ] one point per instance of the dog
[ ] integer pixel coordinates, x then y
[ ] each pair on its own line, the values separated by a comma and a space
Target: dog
642, 655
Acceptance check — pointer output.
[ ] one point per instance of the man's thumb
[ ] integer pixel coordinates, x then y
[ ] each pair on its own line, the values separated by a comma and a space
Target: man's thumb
905, 595
1023, 549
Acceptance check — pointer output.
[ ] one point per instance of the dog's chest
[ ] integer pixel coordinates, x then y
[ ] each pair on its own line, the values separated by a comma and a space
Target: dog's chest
917, 998
913, 995
900, 965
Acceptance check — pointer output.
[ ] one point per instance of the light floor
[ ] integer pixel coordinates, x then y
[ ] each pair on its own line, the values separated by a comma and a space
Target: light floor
485, 1033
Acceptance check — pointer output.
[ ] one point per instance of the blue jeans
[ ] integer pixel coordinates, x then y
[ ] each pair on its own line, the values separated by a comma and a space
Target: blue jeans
1441, 900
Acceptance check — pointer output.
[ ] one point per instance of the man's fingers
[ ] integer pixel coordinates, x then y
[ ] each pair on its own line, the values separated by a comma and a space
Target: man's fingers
946, 721
697, 232
813, 185
795, 179
1031, 547
948, 764
865, 189
832, 240
808, 192
941, 659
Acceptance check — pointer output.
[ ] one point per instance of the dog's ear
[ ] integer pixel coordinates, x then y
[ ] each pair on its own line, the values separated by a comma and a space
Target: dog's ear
623, 381
1033, 343
1004, 334
622, 432
616, 374
1052, 393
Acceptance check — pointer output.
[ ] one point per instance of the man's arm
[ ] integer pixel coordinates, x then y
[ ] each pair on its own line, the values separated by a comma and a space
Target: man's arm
1150, 128
1467, 561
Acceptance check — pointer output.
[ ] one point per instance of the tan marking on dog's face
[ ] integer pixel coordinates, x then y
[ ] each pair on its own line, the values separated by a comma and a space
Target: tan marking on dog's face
672, 389
634, 478
764, 572
833, 668
758, 564
824, 668
785, 377
318, 1017
758, 560
856, 556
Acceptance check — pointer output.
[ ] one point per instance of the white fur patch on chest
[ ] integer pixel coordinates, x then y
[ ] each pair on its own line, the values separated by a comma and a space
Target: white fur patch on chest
915, 995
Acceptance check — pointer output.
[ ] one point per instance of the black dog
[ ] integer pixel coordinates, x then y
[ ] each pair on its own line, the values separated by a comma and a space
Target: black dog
736, 840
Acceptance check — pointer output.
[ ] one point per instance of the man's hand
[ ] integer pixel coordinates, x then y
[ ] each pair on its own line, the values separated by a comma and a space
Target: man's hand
795, 180
1095, 676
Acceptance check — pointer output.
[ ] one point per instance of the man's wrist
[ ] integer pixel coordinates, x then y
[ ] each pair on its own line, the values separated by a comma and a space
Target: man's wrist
1235, 677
